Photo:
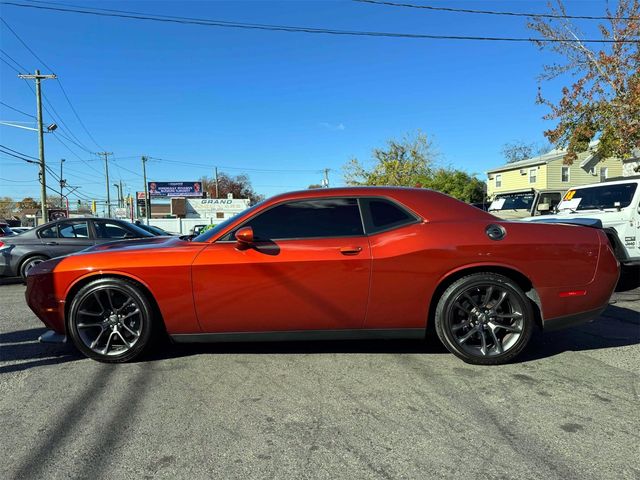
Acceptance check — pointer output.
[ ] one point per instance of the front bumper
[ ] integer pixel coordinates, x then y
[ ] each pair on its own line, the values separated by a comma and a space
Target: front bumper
42, 298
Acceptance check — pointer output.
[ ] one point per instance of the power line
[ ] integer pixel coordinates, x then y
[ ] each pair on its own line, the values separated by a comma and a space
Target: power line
288, 28
58, 119
18, 181
75, 143
118, 166
14, 60
493, 12
78, 116
10, 66
19, 157
56, 136
19, 153
25, 45
64, 92
16, 110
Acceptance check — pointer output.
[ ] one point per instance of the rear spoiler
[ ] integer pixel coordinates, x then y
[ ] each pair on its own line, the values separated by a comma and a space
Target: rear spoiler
584, 222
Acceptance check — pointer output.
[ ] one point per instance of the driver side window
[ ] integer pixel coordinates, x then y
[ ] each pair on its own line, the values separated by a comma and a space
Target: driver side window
313, 218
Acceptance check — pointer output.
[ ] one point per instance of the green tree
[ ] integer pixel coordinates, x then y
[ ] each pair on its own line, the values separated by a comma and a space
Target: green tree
455, 183
602, 96
401, 163
410, 162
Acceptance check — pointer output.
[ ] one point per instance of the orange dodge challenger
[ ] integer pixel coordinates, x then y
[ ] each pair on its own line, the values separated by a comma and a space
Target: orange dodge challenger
343, 263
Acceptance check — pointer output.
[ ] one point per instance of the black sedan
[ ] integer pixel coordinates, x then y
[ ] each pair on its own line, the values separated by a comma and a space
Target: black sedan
55, 239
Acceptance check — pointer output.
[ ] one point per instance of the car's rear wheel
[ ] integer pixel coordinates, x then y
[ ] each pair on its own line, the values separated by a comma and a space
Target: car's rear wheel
29, 263
110, 320
484, 319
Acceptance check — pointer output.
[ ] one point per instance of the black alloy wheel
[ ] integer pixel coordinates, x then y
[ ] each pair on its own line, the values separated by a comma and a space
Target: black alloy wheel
110, 320
484, 318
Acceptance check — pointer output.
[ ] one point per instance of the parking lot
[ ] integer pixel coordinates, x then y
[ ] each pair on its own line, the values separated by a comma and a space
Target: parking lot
568, 409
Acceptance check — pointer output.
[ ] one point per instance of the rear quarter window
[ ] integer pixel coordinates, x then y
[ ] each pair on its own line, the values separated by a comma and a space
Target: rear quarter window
382, 214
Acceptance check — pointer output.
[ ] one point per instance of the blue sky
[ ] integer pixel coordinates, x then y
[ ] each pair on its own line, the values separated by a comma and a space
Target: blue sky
249, 101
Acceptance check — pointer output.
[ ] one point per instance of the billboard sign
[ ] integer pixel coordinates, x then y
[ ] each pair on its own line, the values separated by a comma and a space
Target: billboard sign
208, 207
57, 213
174, 189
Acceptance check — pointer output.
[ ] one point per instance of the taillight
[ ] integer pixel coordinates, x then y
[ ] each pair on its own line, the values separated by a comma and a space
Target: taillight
1, 244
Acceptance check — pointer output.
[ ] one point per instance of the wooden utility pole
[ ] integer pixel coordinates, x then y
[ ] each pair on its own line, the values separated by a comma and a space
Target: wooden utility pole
216, 178
147, 202
43, 177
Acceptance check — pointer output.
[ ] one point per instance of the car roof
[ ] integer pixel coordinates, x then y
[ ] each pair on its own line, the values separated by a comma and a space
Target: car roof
426, 203
608, 183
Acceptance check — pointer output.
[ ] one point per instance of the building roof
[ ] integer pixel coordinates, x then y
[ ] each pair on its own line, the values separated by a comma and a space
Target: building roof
551, 156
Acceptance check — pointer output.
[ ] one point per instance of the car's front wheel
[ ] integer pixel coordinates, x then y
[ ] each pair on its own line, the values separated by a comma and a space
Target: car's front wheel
110, 320
484, 318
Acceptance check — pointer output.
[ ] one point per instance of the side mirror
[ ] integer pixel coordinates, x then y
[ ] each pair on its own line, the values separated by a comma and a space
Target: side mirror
244, 236
544, 207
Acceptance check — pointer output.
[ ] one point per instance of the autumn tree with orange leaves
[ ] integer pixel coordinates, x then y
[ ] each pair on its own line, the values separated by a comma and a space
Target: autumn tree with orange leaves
603, 100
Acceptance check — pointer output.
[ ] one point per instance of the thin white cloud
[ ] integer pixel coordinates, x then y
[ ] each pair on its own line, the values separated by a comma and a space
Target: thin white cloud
332, 126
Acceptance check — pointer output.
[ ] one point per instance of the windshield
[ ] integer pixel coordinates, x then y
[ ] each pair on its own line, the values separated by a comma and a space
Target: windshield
513, 201
208, 234
601, 197
154, 229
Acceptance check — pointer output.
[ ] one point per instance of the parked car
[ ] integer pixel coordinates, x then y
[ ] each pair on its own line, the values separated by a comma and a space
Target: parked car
340, 263
19, 230
20, 253
152, 229
524, 203
5, 231
616, 204
198, 229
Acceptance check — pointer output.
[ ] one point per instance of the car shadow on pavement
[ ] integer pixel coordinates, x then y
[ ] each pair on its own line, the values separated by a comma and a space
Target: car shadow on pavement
629, 279
21, 350
166, 351
616, 327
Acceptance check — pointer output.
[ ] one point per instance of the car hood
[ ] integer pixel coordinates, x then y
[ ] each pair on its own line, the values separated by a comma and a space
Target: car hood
147, 243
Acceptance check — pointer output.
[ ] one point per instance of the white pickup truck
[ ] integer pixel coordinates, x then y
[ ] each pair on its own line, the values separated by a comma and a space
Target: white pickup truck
614, 203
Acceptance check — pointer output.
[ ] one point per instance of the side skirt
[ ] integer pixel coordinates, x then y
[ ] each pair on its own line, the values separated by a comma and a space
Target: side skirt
300, 335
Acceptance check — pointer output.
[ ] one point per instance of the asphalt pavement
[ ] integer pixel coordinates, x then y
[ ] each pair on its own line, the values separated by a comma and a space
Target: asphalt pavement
568, 409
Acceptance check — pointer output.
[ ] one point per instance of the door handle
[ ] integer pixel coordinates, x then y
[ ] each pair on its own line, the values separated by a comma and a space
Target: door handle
51, 243
350, 250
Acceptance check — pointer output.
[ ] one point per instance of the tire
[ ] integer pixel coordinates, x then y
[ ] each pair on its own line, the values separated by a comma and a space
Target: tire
29, 262
484, 319
111, 320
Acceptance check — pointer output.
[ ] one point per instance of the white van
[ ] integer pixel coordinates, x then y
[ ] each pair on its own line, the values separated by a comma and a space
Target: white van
616, 204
